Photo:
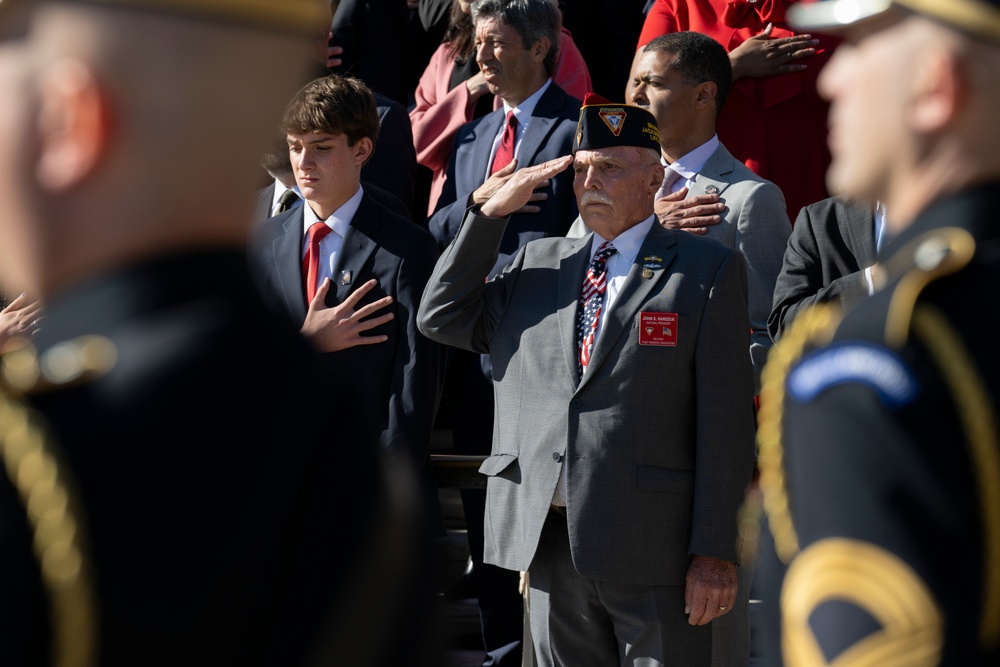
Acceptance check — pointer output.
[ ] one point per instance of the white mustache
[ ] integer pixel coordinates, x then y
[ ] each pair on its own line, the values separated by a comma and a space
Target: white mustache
591, 196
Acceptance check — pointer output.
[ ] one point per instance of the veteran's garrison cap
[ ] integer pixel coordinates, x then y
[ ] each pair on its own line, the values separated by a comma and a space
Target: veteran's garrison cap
604, 124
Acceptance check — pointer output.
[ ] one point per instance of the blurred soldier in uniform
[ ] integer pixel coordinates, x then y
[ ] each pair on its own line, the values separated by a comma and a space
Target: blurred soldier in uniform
879, 456
180, 509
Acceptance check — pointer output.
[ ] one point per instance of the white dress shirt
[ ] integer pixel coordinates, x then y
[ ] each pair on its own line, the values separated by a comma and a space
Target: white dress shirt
279, 190
330, 244
689, 165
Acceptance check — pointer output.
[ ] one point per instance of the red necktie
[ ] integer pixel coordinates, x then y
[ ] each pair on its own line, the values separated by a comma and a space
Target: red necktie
310, 264
505, 151
591, 302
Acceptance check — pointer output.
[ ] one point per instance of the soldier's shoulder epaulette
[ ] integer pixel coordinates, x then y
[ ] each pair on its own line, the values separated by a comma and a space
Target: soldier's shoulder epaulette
69, 363
45, 485
929, 257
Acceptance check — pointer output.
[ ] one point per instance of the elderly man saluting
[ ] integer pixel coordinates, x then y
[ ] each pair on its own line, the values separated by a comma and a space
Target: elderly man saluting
619, 461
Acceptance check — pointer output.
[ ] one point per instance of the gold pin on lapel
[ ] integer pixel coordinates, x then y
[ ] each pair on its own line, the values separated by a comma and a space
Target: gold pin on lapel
647, 273
345, 277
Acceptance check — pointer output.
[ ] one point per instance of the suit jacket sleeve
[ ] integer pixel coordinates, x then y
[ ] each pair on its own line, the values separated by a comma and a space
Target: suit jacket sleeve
459, 307
418, 371
801, 282
762, 232
448, 217
725, 425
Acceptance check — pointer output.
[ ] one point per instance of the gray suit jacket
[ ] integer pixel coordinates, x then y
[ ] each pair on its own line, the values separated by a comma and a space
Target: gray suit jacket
756, 223
831, 246
659, 440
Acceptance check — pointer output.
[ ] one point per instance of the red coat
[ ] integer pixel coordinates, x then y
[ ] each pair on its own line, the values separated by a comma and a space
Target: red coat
775, 125
439, 112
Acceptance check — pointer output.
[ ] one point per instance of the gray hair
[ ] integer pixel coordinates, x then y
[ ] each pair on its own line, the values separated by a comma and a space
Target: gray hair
531, 19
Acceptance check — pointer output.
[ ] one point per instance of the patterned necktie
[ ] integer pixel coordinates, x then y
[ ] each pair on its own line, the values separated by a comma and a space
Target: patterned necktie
591, 302
505, 151
310, 263
288, 199
669, 178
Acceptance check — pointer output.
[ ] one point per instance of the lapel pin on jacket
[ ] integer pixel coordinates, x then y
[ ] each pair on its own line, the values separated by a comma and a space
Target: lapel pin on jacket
346, 277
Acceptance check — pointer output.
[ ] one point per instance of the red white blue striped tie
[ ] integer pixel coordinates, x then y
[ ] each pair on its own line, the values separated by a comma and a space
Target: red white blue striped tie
591, 302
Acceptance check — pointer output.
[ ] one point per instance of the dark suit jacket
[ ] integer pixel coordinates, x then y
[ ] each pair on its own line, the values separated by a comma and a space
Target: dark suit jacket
649, 485
832, 243
548, 135
392, 387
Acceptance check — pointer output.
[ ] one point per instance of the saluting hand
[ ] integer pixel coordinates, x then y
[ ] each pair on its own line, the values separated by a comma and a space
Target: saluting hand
340, 327
518, 188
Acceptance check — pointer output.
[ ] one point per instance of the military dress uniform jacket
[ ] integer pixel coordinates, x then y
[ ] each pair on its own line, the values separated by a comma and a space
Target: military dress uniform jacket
887, 456
658, 439
203, 484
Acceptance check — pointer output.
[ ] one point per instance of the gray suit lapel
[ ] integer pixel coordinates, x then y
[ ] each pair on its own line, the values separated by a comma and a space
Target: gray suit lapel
572, 269
655, 255
714, 174
858, 227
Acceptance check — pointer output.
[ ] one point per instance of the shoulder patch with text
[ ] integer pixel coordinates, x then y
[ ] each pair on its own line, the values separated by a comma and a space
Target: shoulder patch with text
860, 363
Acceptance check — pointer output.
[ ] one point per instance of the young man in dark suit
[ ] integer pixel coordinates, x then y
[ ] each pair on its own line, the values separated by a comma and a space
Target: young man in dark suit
369, 261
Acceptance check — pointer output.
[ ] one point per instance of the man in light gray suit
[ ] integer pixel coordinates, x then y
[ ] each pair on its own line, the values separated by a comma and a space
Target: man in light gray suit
623, 437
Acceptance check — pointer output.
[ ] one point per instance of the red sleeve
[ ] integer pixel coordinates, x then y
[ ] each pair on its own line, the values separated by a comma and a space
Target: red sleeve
660, 20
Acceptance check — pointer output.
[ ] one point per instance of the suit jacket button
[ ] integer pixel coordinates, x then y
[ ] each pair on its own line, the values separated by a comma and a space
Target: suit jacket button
557, 457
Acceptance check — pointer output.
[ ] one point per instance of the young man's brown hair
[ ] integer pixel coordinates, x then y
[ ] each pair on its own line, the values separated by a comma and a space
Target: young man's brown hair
333, 104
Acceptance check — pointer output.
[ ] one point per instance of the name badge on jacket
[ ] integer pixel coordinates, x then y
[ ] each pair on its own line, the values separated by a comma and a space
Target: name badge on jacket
658, 329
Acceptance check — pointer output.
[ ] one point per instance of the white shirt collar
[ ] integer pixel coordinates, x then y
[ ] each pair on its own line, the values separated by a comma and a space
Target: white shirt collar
690, 165
340, 220
628, 242
524, 110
